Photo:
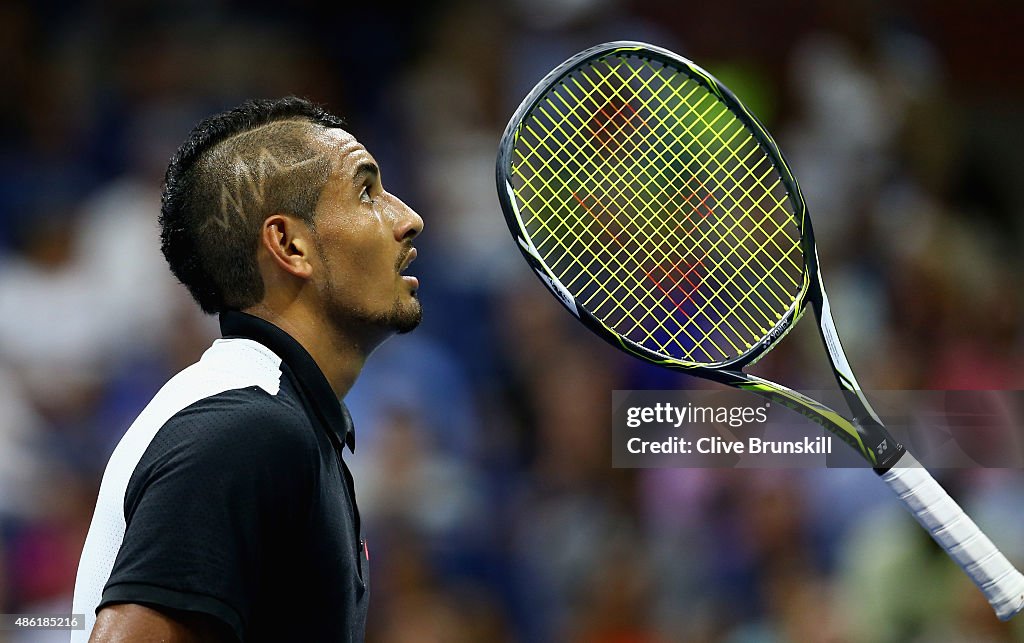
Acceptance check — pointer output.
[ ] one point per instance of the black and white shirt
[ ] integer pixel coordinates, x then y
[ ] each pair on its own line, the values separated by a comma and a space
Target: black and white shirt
229, 496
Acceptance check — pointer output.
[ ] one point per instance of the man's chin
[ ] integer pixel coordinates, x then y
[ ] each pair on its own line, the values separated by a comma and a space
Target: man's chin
407, 318
400, 319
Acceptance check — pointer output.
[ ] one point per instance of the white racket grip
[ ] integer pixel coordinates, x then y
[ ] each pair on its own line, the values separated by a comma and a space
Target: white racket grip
997, 578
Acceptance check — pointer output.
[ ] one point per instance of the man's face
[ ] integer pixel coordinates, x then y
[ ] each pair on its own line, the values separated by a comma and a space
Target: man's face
364, 239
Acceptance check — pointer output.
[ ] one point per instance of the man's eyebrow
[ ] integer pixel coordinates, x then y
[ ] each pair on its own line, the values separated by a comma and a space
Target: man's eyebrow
364, 168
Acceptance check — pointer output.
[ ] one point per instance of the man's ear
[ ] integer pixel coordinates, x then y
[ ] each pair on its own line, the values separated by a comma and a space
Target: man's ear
288, 243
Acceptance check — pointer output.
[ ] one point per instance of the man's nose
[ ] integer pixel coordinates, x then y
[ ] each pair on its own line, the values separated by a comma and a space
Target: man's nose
409, 223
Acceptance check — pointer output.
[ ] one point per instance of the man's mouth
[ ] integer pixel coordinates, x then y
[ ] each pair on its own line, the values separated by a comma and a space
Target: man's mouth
410, 256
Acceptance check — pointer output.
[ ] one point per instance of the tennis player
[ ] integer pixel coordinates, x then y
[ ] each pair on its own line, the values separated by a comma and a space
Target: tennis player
227, 511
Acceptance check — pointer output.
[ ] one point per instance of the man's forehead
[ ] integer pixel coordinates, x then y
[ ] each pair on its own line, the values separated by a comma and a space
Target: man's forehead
345, 151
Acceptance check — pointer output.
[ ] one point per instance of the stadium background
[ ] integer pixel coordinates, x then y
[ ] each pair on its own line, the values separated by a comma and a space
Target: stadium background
483, 463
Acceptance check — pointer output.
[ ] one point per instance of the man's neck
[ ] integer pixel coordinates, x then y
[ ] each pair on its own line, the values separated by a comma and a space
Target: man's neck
339, 358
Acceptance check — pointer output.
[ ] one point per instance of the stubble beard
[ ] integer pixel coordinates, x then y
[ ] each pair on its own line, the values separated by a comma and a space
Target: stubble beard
400, 319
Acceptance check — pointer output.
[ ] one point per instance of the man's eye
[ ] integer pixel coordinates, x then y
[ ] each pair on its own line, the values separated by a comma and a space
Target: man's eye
365, 194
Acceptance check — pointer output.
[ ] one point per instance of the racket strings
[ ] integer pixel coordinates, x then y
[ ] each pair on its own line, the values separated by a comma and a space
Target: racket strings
639, 247
710, 126
738, 129
668, 271
655, 207
685, 275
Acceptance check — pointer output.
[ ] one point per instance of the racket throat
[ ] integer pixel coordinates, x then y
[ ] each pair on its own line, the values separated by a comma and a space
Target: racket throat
886, 451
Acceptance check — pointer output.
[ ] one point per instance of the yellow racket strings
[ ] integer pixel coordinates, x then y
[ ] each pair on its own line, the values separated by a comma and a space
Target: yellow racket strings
658, 209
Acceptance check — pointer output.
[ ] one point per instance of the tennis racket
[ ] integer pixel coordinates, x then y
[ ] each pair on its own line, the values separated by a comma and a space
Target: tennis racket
661, 213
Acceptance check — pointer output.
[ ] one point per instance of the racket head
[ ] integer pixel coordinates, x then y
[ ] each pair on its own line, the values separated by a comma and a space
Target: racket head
657, 209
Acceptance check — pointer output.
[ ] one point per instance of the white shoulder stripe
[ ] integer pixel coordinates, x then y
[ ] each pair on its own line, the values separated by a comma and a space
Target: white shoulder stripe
229, 364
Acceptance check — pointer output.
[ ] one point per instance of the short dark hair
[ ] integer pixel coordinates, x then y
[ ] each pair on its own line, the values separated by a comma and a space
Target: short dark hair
233, 170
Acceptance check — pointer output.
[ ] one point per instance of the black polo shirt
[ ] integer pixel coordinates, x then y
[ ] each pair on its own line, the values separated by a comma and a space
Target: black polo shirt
229, 496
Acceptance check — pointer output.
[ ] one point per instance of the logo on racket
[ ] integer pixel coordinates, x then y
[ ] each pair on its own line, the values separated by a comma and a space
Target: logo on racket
776, 333
559, 291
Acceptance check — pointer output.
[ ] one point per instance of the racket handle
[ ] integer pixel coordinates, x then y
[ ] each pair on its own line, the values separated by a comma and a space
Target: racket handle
997, 578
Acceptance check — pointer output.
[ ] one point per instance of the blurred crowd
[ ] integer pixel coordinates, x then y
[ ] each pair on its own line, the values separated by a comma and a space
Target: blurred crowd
483, 463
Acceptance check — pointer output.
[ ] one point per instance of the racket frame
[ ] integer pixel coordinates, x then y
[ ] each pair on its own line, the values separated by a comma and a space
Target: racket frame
865, 433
